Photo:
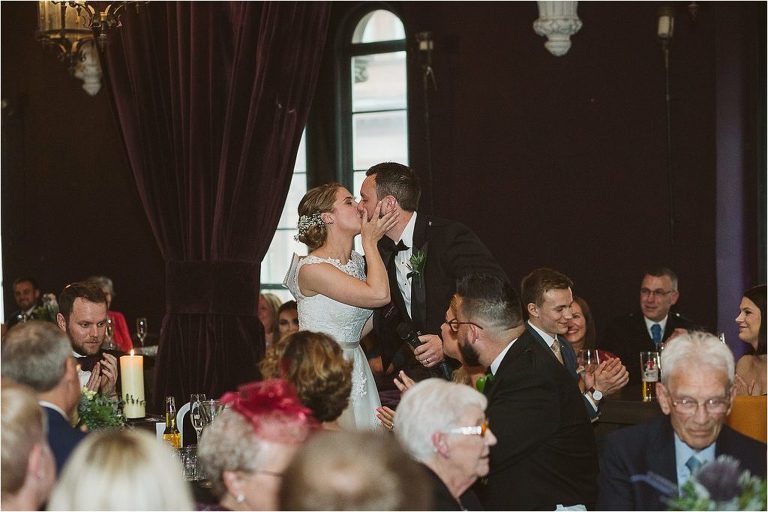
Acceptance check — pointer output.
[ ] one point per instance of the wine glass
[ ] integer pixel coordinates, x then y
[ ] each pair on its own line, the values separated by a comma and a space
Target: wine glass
587, 360
141, 329
109, 341
196, 412
211, 409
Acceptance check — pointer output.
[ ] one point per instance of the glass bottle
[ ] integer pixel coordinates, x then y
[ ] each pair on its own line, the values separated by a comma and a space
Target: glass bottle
171, 434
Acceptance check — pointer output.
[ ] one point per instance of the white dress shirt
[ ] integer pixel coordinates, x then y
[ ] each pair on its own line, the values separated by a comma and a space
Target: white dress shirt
403, 263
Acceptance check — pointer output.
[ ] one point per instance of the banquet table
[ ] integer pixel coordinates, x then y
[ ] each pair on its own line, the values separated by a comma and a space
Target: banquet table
623, 409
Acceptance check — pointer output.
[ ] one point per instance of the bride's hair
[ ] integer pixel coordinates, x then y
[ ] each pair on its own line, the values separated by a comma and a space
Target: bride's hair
316, 201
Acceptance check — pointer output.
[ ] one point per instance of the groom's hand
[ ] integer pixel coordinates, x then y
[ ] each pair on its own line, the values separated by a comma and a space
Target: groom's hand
430, 352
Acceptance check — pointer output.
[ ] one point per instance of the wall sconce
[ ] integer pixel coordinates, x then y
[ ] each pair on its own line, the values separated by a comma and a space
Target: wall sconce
558, 21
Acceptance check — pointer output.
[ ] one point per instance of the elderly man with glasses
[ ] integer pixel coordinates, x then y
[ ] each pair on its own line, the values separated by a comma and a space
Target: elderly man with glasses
645, 330
643, 465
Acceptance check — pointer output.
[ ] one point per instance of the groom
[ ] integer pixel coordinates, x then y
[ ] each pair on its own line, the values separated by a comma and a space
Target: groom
424, 256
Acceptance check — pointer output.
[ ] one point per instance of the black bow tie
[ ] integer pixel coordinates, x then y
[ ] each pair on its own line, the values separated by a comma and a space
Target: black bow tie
401, 246
88, 362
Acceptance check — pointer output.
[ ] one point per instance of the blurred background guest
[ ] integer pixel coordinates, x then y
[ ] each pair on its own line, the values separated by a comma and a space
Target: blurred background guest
443, 426
354, 471
247, 447
26, 293
120, 333
28, 468
38, 354
581, 332
288, 318
122, 470
314, 363
269, 303
751, 367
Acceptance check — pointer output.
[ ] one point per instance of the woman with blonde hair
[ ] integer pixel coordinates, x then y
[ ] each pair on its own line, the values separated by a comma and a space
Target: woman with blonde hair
334, 294
122, 470
269, 303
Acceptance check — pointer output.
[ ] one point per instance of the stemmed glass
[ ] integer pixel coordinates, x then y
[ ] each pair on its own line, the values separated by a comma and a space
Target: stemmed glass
211, 409
141, 329
109, 340
196, 413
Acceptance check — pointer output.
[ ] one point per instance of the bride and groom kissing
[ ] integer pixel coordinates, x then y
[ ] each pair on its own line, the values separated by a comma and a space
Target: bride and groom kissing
407, 278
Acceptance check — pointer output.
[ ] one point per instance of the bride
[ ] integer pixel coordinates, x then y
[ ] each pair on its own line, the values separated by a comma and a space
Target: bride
333, 292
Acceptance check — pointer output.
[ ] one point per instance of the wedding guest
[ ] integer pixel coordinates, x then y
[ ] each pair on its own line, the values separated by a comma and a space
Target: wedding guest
122, 470
26, 293
642, 465
269, 303
288, 318
443, 426
645, 330
120, 333
581, 332
83, 316
247, 447
37, 354
28, 468
314, 363
354, 471
751, 368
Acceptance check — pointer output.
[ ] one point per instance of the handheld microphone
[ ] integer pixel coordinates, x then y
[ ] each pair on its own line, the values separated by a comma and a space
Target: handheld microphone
411, 337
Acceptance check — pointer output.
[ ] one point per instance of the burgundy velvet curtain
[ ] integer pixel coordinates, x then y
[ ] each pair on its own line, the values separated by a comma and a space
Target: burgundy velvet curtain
211, 99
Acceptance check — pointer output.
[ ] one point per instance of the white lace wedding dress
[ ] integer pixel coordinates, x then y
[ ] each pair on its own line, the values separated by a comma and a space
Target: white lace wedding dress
345, 323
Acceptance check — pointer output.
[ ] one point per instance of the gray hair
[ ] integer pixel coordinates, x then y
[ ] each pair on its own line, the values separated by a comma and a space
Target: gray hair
104, 283
432, 405
35, 353
695, 349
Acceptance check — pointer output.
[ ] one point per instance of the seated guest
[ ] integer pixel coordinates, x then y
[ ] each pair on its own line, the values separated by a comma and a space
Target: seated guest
354, 471
38, 354
28, 468
314, 363
247, 447
269, 303
642, 465
120, 334
751, 368
122, 470
647, 329
26, 293
443, 426
288, 318
581, 332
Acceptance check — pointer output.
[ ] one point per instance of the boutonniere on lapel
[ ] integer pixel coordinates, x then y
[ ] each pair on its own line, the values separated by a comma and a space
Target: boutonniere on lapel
416, 264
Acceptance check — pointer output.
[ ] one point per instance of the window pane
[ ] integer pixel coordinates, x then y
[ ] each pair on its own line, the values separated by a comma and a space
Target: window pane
290, 216
276, 262
378, 82
379, 137
378, 26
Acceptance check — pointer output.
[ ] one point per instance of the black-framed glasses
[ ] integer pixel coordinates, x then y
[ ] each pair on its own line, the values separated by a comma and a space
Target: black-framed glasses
645, 292
454, 324
475, 430
689, 406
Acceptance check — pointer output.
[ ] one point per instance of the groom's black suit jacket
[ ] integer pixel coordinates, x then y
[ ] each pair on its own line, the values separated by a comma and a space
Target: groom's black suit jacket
452, 251
546, 453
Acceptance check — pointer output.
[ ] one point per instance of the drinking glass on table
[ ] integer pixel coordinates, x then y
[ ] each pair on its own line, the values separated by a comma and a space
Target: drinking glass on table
211, 409
141, 329
196, 412
587, 360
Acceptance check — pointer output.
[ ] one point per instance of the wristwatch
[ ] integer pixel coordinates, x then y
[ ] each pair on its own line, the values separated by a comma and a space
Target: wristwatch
597, 395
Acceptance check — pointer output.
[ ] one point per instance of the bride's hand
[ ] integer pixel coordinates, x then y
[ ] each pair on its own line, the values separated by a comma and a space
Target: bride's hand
377, 227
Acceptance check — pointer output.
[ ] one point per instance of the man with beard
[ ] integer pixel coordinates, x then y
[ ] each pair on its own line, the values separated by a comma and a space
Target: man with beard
83, 316
546, 455
26, 293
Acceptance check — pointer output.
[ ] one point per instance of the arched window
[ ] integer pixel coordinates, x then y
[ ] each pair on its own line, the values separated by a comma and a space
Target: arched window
374, 96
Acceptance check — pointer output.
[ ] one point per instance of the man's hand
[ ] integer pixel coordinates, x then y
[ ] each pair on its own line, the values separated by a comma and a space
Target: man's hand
108, 374
609, 377
430, 352
403, 382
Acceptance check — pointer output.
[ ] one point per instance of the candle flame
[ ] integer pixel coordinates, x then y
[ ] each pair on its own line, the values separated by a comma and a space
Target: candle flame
131, 352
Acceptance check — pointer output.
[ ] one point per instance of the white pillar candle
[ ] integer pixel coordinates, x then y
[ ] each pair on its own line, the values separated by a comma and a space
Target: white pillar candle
132, 383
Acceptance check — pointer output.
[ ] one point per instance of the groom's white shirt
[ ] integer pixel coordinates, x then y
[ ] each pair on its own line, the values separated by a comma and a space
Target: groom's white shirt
402, 263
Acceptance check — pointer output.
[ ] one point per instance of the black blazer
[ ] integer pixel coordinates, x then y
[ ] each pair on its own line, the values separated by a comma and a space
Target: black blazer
452, 251
546, 453
627, 336
648, 450
62, 437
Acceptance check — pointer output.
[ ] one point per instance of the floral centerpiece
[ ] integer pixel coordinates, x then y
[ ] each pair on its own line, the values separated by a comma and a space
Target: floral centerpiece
719, 485
98, 412
47, 312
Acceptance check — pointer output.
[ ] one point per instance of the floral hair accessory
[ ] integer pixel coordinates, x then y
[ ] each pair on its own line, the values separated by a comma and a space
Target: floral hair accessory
273, 408
308, 221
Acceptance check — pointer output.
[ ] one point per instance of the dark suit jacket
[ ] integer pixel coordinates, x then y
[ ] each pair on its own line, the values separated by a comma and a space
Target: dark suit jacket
627, 336
442, 499
62, 437
648, 450
546, 453
452, 251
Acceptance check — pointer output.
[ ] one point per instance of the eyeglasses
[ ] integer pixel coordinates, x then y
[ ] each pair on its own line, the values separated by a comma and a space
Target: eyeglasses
454, 324
477, 430
645, 292
689, 406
